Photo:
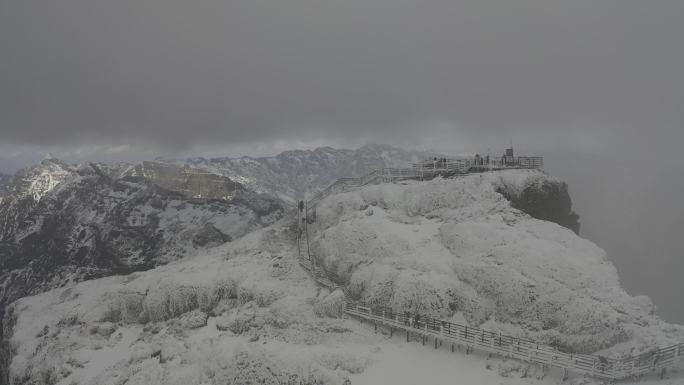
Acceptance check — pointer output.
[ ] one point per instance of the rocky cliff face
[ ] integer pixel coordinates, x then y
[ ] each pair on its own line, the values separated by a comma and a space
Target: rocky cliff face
5, 181
544, 198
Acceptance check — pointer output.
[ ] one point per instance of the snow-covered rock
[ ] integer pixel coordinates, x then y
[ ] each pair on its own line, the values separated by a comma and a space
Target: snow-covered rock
459, 245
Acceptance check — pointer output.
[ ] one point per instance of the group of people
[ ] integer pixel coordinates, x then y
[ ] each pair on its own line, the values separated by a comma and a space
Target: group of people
415, 321
412, 320
439, 163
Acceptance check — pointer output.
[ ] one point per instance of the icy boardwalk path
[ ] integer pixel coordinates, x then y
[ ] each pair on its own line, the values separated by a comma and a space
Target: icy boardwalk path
399, 363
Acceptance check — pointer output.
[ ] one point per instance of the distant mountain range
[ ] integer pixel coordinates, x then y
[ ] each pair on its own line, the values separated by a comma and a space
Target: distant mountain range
63, 223
292, 174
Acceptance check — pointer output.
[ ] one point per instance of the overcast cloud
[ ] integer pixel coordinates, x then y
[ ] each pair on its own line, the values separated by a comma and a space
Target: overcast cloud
182, 73
597, 86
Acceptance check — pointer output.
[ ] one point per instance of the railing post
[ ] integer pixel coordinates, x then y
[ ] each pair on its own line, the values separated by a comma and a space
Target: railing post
634, 367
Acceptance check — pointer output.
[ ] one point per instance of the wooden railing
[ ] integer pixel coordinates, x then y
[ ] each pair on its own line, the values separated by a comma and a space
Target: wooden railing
520, 348
423, 170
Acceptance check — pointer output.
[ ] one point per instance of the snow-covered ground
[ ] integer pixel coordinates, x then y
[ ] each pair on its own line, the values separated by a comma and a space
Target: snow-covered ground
396, 362
246, 313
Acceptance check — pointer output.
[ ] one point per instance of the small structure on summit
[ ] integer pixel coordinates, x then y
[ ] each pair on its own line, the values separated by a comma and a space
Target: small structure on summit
479, 163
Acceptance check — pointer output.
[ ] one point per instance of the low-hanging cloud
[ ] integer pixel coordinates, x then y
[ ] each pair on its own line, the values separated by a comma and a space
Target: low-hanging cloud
176, 73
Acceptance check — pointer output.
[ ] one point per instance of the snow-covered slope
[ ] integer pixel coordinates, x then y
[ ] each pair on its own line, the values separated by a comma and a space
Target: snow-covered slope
457, 247
39, 180
242, 314
62, 224
246, 313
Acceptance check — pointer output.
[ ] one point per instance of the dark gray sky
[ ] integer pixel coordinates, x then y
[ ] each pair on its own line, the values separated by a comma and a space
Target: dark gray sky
597, 85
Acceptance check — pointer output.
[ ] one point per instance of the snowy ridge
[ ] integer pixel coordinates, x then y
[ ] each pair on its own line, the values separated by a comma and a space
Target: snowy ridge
290, 175
442, 330
38, 181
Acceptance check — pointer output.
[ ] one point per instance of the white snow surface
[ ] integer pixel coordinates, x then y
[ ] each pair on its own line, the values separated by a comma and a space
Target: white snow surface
246, 313
44, 177
260, 324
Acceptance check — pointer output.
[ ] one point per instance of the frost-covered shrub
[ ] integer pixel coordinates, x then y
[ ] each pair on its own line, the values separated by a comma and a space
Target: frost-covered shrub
252, 317
224, 322
104, 329
170, 299
223, 306
126, 307
383, 286
262, 294
240, 320
418, 295
250, 366
244, 295
69, 320
194, 319
225, 289
372, 283
331, 305
332, 209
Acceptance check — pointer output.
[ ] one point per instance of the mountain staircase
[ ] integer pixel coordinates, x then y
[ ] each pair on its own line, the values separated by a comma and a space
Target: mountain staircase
441, 331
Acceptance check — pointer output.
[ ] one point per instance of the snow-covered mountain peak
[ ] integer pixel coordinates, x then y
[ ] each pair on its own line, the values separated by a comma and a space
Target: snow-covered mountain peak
49, 156
40, 179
